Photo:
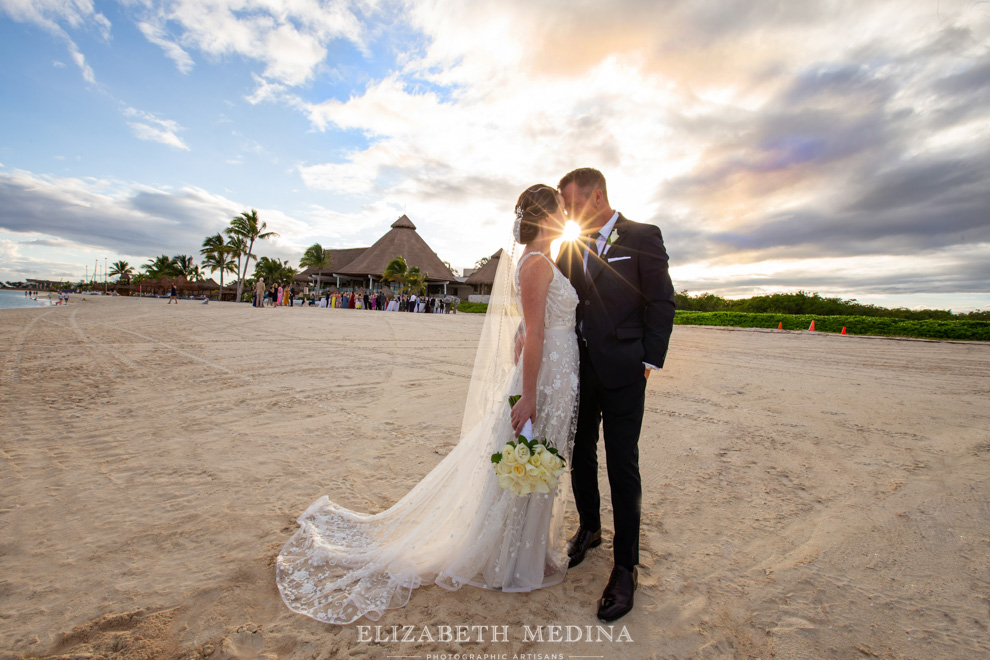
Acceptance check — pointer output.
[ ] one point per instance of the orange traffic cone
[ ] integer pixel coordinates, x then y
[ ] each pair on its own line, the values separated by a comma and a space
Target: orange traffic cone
812, 328
780, 326
843, 329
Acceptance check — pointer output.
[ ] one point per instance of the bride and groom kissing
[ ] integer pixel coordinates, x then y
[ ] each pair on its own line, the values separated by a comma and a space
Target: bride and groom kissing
594, 324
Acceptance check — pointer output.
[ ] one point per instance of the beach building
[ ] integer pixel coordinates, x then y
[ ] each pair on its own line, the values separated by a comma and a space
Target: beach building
185, 288
43, 285
327, 277
360, 269
482, 279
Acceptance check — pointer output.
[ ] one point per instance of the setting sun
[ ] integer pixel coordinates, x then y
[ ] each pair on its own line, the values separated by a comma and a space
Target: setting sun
571, 231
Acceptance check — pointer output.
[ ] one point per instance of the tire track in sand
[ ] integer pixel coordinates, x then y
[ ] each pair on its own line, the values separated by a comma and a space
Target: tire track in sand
10, 373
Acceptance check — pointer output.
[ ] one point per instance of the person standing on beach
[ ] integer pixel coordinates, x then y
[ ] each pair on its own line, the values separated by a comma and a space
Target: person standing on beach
624, 321
259, 293
173, 295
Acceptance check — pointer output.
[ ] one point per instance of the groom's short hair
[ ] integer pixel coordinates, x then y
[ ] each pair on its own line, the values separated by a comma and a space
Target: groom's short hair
586, 178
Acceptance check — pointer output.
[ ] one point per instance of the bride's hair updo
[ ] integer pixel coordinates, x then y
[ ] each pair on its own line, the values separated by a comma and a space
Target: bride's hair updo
534, 204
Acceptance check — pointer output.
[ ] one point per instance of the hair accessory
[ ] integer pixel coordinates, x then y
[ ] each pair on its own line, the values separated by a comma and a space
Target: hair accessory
518, 226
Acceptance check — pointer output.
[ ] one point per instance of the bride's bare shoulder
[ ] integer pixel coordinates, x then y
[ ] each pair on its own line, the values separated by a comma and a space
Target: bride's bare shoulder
534, 269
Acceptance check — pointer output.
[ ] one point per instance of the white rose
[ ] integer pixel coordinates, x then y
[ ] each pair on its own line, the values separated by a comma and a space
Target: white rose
508, 454
522, 453
502, 468
534, 460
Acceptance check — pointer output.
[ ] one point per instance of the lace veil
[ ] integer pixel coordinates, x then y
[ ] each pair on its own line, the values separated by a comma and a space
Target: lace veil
494, 361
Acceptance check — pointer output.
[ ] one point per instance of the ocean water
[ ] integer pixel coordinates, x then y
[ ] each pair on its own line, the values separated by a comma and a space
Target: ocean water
17, 300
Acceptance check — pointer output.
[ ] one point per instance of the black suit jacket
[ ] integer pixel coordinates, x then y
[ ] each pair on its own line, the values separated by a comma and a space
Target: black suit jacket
626, 309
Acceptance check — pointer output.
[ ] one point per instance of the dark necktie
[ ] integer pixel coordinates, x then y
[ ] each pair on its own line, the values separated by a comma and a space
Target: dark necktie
592, 244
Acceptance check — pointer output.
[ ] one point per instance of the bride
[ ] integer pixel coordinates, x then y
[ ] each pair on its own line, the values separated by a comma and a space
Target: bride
458, 526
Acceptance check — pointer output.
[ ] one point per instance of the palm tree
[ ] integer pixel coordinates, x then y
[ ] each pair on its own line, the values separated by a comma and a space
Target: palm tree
273, 271
317, 257
160, 266
481, 262
250, 228
184, 265
217, 255
396, 272
416, 280
238, 250
121, 269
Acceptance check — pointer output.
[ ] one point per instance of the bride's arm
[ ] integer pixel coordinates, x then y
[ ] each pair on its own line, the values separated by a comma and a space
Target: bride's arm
534, 281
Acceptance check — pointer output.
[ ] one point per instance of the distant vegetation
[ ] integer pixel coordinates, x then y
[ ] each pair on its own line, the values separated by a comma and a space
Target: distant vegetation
796, 311
803, 302
473, 307
961, 329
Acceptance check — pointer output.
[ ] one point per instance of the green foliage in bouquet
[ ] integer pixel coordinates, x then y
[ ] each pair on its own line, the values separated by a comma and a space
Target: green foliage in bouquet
521, 440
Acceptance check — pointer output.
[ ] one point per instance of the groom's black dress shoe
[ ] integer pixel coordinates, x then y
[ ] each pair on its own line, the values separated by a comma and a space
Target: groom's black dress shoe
579, 544
617, 599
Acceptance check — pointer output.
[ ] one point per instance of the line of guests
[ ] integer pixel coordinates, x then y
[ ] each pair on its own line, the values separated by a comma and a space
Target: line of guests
274, 296
378, 301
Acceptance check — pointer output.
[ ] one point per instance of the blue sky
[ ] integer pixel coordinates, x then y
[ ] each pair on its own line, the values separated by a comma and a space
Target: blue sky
836, 147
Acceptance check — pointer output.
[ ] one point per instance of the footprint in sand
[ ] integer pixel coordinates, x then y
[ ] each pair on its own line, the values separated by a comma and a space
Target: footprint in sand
246, 643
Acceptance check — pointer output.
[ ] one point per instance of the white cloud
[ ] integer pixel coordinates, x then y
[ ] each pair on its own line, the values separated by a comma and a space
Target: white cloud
157, 134
265, 90
289, 38
50, 15
156, 34
154, 129
16, 266
128, 219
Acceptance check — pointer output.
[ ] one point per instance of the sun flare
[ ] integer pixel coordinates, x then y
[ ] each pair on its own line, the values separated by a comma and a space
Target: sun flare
570, 232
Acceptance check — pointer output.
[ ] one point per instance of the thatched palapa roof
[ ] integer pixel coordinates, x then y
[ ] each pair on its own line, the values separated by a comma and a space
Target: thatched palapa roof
485, 274
338, 259
401, 241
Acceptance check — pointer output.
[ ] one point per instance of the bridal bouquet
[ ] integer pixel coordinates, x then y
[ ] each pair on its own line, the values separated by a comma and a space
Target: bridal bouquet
527, 465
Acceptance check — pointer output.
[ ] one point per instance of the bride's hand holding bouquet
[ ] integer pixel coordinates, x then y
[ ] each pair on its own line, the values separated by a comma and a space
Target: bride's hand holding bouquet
527, 465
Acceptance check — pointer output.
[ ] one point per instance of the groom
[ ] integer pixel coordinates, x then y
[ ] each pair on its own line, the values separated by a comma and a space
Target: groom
624, 319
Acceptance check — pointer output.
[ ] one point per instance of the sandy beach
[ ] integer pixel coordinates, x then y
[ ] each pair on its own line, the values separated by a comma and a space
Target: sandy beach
805, 495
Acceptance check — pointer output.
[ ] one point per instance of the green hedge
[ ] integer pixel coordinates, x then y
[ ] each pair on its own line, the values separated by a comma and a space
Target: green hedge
855, 325
472, 308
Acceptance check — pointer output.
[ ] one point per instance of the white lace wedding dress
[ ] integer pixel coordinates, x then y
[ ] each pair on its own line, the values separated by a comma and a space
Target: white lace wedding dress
456, 526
